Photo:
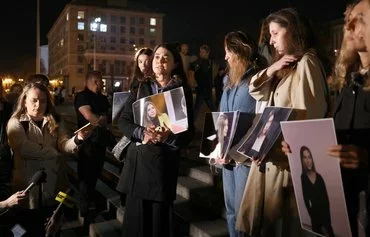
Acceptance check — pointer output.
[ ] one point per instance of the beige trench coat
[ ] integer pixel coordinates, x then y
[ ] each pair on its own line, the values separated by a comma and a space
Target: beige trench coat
269, 197
35, 149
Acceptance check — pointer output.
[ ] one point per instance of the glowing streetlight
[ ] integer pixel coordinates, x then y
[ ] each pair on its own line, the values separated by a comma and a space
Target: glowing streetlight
94, 26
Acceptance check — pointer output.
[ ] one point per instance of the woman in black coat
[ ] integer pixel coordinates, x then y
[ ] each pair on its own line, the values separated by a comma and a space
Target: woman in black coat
149, 176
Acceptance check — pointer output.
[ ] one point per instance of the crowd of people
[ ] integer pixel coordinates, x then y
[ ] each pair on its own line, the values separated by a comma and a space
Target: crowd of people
286, 69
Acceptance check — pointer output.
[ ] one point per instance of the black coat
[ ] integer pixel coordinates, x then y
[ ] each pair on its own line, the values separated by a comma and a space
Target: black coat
150, 171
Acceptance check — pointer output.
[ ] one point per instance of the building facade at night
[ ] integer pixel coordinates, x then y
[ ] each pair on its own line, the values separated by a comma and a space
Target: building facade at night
101, 35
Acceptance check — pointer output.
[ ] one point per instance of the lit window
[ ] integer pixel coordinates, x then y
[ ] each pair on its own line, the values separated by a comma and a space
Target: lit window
80, 25
61, 42
80, 15
67, 16
152, 31
94, 26
103, 27
153, 21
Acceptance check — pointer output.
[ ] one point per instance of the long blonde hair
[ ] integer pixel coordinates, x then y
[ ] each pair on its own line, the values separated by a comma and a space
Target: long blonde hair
246, 51
49, 112
348, 59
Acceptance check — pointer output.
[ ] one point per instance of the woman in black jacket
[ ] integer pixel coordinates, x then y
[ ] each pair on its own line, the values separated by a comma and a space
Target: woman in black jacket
315, 195
149, 176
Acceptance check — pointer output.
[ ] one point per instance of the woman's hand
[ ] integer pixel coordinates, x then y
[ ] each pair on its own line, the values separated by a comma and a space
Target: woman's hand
280, 64
83, 134
285, 148
162, 134
15, 199
53, 224
149, 135
219, 161
350, 156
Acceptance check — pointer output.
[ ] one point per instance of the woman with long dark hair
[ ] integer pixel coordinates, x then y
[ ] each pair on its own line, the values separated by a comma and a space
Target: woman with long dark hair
149, 176
315, 195
296, 79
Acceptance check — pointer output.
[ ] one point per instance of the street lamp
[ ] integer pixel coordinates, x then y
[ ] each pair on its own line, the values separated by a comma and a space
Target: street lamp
94, 26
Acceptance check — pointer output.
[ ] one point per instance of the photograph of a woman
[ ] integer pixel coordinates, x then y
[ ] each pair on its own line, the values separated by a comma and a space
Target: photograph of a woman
214, 144
152, 116
265, 133
262, 138
315, 195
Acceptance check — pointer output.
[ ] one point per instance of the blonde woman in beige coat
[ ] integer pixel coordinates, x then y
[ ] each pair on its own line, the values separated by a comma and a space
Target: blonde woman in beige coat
297, 80
38, 141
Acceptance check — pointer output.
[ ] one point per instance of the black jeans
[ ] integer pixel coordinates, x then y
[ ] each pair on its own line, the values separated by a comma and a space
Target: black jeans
90, 164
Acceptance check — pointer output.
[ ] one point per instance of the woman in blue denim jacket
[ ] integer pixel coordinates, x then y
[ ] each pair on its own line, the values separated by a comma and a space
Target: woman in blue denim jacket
241, 54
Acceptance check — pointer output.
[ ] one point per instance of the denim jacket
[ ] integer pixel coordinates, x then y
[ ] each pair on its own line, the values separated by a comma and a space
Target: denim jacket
239, 99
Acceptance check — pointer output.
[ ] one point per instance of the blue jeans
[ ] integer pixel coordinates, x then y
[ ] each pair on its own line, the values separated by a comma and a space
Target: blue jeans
234, 180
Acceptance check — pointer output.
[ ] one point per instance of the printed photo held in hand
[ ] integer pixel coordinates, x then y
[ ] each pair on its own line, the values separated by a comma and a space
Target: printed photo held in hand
119, 99
218, 132
264, 133
165, 110
316, 177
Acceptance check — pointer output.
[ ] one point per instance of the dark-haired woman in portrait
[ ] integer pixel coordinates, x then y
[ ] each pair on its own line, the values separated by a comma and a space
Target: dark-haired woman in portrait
315, 195
149, 176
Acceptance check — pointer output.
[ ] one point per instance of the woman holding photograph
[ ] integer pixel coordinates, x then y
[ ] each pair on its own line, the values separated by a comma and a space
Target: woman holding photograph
243, 59
153, 117
296, 79
315, 195
350, 113
149, 176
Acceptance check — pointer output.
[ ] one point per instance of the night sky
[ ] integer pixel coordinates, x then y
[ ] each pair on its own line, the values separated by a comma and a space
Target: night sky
194, 22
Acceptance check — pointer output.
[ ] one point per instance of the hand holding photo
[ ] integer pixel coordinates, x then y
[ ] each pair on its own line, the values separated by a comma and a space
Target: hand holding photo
86, 128
265, 133
165, 111
316, 177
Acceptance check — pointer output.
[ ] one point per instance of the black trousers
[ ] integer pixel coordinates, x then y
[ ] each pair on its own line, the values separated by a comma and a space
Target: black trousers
89, 166
145, 218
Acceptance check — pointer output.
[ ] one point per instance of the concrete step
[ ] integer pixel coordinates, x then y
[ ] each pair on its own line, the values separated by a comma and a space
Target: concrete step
104, 191
203, 174
187, 185
110, 228
212, 228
